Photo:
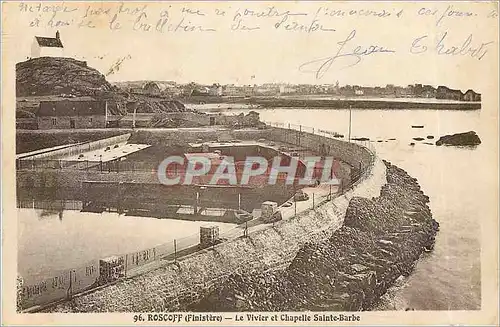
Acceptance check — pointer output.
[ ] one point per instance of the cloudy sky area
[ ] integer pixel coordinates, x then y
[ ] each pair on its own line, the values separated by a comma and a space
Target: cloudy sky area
269, 52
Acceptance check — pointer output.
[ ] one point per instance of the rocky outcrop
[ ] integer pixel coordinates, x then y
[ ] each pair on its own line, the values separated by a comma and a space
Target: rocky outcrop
54, 76
55, 79
381, 239
157, 105
460, 139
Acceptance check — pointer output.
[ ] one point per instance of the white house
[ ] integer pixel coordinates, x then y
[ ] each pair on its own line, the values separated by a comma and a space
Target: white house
284, 89
47, 47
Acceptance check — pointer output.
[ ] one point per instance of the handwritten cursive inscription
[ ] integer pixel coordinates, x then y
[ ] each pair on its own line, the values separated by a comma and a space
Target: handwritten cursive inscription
444, 48
352, 57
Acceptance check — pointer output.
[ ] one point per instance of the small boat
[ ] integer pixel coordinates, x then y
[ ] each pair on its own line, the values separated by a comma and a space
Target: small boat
417, 126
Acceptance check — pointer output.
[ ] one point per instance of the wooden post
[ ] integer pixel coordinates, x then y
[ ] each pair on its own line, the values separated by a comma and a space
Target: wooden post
68, 292
313, 201
175, 250
295, 202
196, 204
126, 264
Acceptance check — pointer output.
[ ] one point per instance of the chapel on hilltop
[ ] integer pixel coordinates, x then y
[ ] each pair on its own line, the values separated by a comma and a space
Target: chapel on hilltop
47, 47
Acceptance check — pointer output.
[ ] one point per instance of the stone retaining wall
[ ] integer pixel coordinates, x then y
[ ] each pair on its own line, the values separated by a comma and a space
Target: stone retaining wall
380, 241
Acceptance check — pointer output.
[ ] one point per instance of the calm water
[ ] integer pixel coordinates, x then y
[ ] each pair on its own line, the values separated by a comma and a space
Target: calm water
448, 278
49, 242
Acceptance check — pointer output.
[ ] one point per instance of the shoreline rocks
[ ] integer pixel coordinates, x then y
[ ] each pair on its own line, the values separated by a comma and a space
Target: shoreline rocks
380, 241
460, 139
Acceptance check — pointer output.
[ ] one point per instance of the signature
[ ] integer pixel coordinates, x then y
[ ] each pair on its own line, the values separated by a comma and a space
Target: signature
352, 57
467, 47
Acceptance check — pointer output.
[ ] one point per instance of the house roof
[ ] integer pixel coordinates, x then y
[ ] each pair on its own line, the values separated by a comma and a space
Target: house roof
49, 42
442, 88
471, 91
162, 86
71, 108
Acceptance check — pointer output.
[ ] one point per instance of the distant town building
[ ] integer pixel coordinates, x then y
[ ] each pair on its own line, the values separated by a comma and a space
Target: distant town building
358, 90
231, 90
287, 89
152, 88
215, 90
470, 95
136, 90
47, 47
444, 92
266, 89
72, 114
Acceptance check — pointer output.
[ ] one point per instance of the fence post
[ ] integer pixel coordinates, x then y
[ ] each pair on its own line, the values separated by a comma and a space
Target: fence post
175, 250
126, 264
313, 202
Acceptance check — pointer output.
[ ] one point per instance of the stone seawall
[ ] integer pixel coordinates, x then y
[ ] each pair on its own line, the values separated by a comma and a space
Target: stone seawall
380, 241
175, 287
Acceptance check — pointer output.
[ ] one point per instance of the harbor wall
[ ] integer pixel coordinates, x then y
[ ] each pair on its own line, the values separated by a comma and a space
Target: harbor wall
174, 287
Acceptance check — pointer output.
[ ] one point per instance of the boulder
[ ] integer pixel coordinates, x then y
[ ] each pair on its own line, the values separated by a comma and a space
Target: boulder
460, 139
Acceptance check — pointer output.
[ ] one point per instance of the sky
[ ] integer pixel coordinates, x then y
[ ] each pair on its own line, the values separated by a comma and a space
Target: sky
242, 43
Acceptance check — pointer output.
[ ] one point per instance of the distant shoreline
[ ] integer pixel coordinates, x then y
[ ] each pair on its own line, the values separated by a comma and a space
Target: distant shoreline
327, 103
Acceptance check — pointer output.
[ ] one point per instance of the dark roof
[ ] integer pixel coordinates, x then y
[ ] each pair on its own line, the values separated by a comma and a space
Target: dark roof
470, 90
442, 88
71, 108
50, 42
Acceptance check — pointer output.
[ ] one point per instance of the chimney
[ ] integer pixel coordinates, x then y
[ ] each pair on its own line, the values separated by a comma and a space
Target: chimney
57, 35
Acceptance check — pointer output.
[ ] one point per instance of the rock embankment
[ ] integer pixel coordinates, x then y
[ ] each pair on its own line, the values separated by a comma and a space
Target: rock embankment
460, 139
381, 239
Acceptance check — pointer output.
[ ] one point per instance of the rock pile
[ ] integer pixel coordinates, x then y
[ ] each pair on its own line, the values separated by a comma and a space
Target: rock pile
381, 239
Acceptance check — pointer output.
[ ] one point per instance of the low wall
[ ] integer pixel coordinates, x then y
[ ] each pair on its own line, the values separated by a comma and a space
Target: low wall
174, 287
187, 135
31, 140
355, 155
78, 148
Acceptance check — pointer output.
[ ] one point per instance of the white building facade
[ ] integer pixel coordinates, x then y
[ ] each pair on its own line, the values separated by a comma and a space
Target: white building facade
47, 47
